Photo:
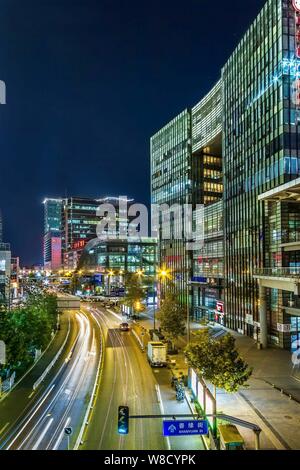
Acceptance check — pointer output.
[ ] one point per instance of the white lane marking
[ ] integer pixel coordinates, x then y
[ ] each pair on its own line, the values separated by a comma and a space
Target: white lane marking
100, 314
43, 434
4, 427
62, 387
32, 393
28, 417
93, 394
115, 314
56, 445
32, 415
75, 375
162, 410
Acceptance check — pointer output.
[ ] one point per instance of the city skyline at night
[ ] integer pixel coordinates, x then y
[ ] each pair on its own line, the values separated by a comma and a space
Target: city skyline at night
150, 230
126, 68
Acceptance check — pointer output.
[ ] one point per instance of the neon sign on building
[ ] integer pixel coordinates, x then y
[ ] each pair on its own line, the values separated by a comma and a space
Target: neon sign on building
79, 244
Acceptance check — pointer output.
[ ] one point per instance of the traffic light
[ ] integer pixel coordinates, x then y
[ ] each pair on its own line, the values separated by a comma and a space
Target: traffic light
123, 420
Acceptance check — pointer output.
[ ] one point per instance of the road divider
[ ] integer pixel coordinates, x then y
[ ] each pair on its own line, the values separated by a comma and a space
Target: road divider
94, 392
119, 317
56, 357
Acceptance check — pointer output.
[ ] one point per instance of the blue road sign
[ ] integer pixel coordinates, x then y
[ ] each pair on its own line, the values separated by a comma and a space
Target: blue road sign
185, 428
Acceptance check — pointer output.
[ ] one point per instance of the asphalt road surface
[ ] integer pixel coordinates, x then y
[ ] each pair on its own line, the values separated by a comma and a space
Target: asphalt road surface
127, 379
62, 403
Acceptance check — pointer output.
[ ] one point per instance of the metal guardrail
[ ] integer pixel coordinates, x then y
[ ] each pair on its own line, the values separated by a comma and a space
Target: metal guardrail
278, 272
52, 363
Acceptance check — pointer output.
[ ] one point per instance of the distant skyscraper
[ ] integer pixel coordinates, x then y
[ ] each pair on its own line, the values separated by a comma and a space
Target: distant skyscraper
52, 233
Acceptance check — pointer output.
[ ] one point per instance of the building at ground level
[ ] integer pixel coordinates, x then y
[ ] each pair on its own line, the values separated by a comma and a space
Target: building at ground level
70, 223
5, 273
104, 264
207, 189
186, 168
15, 277
240, 145
260, 152
81, 219
208, 268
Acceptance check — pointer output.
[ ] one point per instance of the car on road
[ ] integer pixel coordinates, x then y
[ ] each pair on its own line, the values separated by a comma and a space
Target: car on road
124, 326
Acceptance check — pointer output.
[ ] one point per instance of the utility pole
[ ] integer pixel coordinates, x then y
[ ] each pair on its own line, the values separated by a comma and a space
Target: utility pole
188, 332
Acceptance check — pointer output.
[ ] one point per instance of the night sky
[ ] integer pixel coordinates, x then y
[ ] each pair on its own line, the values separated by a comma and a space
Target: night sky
88, 82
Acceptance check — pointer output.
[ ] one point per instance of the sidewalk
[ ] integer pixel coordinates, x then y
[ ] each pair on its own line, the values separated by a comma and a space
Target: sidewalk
169, 405
262, 402
166, 395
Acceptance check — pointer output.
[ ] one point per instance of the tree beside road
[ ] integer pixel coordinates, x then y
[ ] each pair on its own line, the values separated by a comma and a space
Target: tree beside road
135, 294
218, 361
27, 329
172, 317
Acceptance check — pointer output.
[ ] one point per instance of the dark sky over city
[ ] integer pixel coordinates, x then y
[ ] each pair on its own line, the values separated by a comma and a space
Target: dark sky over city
88, 82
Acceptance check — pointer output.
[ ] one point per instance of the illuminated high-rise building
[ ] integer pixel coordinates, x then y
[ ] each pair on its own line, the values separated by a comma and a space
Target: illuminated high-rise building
238, 153
52, 233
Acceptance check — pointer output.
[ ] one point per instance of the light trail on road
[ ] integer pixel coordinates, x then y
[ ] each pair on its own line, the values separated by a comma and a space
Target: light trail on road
64, 402
126, 379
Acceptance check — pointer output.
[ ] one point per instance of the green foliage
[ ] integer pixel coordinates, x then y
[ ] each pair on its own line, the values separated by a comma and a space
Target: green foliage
218, 361
172, 317
135, 293
28, 328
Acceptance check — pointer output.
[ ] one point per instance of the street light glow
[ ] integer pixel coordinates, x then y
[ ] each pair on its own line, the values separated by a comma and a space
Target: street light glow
164, 273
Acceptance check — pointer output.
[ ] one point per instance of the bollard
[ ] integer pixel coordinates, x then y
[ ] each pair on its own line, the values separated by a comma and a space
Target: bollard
257, 442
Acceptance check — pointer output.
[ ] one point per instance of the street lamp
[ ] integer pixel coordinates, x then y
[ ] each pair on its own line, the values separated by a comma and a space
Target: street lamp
140, 272
188, 330
164, 274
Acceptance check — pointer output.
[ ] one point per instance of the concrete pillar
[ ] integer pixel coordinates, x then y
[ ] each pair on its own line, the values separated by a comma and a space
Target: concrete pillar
263, 316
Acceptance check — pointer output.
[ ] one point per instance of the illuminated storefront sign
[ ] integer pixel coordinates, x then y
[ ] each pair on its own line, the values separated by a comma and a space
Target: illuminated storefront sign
79, 244
220, 307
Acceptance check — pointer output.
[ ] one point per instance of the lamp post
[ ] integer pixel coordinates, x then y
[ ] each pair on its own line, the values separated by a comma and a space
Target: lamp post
161, 274
188, 330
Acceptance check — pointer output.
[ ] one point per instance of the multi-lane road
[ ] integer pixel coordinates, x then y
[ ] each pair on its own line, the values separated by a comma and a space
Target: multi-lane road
98, 369
126, 379
60, 401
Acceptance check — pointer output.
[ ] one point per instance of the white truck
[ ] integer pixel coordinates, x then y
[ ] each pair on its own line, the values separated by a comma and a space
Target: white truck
157, 354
